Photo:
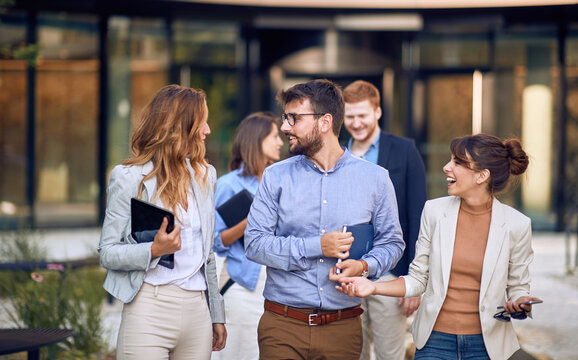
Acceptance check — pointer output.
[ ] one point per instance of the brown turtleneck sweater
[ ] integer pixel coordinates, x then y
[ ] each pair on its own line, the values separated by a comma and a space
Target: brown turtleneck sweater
459, 314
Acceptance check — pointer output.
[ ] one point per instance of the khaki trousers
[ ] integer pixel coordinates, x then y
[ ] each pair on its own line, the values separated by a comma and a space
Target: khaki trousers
243, 310
282, 338
165, 322
384, 326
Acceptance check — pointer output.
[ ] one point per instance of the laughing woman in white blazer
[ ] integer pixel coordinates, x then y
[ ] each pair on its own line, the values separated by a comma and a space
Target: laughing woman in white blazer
472, 256
173, 313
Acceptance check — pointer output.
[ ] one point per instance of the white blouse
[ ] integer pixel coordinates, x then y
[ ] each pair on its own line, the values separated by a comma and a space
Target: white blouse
189, 260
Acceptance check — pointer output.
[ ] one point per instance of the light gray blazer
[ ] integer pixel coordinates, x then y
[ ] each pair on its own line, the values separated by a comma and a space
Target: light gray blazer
128, 261
505, 274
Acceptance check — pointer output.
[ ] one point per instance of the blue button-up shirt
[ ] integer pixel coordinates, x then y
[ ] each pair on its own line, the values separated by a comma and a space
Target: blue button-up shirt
372, 154
297, 203
243, 271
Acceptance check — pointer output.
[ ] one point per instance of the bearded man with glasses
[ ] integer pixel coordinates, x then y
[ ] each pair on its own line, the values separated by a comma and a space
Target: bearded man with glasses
295, 229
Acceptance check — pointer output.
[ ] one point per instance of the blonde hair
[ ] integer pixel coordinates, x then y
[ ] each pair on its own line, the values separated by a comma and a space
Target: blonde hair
168, 132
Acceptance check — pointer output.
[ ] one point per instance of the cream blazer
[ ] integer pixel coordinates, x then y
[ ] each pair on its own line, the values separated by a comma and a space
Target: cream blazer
126, 260
505, 274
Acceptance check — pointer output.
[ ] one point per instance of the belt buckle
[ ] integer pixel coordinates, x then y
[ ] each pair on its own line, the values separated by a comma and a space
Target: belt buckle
311, 319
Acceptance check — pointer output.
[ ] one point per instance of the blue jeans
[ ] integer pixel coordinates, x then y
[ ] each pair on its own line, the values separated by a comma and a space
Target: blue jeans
453, 347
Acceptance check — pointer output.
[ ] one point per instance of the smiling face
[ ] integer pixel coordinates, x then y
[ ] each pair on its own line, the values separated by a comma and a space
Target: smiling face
462, 180
271, 145
361, 120
304, 136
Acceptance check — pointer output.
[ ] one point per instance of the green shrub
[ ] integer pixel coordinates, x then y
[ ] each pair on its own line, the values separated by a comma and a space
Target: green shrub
65, 298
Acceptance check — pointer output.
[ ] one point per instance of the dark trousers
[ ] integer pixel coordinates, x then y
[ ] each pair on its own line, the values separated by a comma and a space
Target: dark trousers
284, 338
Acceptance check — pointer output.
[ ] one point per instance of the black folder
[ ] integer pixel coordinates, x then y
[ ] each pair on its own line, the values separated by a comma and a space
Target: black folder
236, 209
146, 219
363, 240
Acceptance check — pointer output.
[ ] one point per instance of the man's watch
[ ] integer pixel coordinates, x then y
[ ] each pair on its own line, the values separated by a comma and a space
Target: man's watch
365, 271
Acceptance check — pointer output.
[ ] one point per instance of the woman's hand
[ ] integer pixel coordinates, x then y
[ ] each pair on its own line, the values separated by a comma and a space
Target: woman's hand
356, 286
410, 305
219, 336
166, 243
517, 305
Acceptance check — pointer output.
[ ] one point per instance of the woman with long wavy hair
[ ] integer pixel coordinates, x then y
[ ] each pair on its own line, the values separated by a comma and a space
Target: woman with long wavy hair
168, 313
256, 145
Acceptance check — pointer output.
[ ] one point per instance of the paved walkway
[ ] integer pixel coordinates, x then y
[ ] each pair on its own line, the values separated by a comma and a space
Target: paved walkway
554, 329
551, 334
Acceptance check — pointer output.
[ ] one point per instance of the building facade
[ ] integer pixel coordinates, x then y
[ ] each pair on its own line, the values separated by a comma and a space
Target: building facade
73, 76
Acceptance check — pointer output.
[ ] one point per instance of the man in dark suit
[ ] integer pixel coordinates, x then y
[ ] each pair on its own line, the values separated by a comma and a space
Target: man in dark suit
384, 323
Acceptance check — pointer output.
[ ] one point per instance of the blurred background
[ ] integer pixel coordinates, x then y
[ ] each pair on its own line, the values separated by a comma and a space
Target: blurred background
74, 74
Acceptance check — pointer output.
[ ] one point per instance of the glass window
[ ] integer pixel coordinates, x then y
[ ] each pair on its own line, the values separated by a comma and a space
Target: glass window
205, 54
519, 98
66, 120
525, 97
13, 94
451, 51
449, 114
138, 67
204, 43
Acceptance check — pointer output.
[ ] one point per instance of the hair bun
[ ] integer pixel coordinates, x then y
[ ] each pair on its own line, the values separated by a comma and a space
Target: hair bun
518, 158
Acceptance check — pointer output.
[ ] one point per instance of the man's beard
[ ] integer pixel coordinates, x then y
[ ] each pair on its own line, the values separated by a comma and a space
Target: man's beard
308, 146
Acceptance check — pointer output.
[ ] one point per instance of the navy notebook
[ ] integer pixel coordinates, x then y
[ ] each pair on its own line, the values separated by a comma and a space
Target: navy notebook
236, 209
363, 240
146, 219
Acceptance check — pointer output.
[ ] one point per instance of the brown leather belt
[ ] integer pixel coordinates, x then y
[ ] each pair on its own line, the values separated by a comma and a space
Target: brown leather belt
313, 316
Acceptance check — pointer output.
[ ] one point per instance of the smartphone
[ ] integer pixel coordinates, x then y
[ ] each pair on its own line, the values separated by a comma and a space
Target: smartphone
531, 302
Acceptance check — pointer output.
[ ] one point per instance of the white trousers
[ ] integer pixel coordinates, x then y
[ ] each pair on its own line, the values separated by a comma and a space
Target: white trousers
384, 327
165, 322
243, 310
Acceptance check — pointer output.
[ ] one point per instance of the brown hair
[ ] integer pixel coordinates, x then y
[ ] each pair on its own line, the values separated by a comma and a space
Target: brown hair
361, 90
168, 132
501, 158
247, 144
324, 95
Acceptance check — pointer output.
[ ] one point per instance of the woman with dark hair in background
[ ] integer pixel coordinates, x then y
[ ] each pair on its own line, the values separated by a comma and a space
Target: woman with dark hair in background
473, 255
256, 145
168, 313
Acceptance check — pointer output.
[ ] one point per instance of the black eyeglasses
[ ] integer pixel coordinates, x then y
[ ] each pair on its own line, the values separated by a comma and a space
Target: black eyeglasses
506, 316
291, 118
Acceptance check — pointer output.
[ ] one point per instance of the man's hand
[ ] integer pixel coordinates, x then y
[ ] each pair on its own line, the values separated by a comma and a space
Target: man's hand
219, 336
336, 244
410, 305
349, 268
166, 243
356, 286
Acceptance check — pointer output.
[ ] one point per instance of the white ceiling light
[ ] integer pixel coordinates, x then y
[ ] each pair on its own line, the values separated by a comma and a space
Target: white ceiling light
379, 22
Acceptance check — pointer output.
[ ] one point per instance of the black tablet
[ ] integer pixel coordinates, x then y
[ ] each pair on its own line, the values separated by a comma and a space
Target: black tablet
146, 219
